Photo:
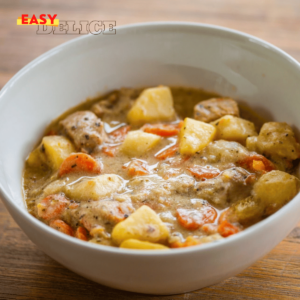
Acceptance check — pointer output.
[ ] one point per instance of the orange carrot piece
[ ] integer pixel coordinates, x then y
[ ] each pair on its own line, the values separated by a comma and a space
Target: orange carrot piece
257, 162
137, 167
79, 162
119, 134
52, 206
204, 172
190, 241
164, 130
193, 219
226, 229
168, 152
62, 227
81, 233
110, 150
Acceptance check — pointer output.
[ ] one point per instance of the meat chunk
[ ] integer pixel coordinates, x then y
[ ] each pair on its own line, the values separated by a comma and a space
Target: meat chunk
104, 212
116, 105
215, 108
85, 129
225, 189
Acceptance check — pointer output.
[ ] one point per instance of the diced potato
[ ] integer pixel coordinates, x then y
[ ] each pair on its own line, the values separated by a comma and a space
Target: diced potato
232, 128
246, 211
139, 142
94, 188
144, 224
277, 139
194, 136
136, 244
52, 151
153, 105
251, 143
275, 189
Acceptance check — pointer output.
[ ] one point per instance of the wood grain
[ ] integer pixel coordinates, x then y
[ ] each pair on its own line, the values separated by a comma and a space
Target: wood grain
25, 271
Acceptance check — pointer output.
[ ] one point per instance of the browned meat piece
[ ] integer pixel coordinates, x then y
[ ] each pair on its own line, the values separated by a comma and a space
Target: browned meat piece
104, 212
85, 129
229, 187
117, 105
215, 108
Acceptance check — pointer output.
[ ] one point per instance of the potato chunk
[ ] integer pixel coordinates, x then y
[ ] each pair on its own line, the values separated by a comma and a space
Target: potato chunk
276, 140
275, 189
215, 108
144, 224
153, 105
138, 142
234, 129
136, 244
194, 136
93, 188
52, 151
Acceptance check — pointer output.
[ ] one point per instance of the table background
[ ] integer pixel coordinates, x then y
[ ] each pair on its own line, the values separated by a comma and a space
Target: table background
25, 271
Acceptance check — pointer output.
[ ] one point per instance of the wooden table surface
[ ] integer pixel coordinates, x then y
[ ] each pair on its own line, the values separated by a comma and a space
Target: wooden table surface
25, 271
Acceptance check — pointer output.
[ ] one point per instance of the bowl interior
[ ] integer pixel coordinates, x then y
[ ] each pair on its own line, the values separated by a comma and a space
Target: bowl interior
208, 57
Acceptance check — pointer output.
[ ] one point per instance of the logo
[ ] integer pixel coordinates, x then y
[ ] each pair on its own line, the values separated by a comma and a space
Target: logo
48, 24
51, 21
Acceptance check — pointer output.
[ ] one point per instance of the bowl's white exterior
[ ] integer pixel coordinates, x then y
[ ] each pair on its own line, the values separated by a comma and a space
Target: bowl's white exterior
217, 59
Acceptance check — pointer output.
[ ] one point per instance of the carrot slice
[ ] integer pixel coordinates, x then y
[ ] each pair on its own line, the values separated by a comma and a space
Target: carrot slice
52, 206
204, 172
168, 152
193, 219
137, 167
164, 130
79, 162
190, 241
81, 233
226, 229
110, 150
257, 162
119, 134
62, 227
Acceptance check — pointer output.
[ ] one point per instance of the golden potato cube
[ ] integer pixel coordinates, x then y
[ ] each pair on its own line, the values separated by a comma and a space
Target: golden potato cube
52, 151
275, 189
278, 139
144, 224
251, 143
94, 188
153, 105
232, 128
194, 136
140, 245
139, 142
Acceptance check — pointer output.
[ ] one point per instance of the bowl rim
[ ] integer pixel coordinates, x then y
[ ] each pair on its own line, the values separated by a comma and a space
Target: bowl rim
220, 30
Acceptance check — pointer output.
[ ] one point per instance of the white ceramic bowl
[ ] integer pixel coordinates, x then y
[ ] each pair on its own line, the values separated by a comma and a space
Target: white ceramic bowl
217, 59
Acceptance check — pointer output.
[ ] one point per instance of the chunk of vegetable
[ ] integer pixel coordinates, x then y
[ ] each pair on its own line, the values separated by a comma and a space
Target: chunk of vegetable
144, 224
138, 142
275, 189
140, 245
232, 128
194, 136
190, 241
226, 229
257, 162
119, 134
169, 152
276, 139
93, 188
137, 167
79, 162
204, 172
52, 151
81, 233
62, 227
193, 219
153, 105
164, 130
